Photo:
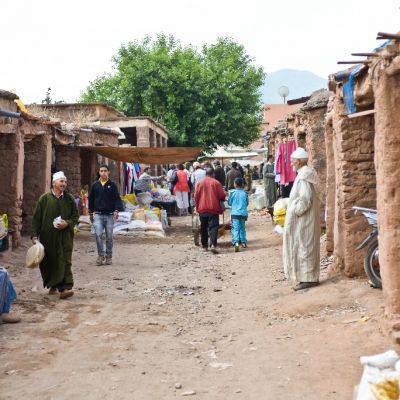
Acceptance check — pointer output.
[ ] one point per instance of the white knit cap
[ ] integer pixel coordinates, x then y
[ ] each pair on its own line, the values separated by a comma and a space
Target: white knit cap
299, 154
59, 175
196, 164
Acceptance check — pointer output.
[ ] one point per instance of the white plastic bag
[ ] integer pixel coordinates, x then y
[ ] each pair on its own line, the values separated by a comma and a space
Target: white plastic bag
56, 222
258, 201
34, 255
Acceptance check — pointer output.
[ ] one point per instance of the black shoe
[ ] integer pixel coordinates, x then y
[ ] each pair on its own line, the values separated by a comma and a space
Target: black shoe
305, 285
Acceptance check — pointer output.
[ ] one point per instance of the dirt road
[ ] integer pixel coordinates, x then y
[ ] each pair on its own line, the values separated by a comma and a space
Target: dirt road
167, 320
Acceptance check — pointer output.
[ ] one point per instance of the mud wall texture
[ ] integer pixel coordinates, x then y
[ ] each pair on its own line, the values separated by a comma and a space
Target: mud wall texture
387, 161
312, 137
11, 180
37, 175
353, 148
68, 160
330, 187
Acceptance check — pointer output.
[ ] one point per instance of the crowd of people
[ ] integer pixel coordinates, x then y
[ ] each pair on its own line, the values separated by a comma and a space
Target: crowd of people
206, 187
212, 184
209, 186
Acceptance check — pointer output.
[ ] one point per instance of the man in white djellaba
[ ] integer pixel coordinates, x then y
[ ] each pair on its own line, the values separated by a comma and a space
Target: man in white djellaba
301, 235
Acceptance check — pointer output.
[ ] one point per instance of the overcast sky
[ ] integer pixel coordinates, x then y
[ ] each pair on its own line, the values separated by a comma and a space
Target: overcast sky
65, 44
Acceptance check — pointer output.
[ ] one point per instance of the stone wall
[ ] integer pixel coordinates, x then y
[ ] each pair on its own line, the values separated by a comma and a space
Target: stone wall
353, 148
330, 187
11, 180
310, 134
68, 160
387, 143
37, 175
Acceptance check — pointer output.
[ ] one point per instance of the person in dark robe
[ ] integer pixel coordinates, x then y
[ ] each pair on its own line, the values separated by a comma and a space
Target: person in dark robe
269, 185
219, 173
54, 221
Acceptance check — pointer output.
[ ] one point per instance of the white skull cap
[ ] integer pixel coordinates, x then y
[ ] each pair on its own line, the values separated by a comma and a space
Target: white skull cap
299, 154
59, 175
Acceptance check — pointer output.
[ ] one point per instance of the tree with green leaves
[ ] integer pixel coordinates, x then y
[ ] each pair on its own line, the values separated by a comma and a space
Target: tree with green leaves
204, 97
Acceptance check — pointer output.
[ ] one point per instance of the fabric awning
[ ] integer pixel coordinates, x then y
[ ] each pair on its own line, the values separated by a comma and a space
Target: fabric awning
230, 152
148, 155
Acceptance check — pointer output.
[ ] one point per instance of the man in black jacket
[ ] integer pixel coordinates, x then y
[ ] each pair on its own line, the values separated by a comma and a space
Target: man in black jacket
104, 204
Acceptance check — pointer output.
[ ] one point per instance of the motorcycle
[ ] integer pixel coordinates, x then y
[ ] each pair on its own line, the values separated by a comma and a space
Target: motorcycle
371, 259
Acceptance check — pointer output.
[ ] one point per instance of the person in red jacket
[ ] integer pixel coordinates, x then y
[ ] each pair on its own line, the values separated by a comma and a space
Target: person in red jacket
208, 197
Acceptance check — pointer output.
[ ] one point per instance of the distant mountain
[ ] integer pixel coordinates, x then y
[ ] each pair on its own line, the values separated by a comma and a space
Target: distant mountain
300, 83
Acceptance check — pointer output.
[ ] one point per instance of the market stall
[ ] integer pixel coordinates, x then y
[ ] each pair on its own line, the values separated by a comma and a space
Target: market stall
147, 213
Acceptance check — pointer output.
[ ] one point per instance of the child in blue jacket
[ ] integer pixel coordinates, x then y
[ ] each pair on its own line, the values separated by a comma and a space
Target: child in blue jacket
238, 201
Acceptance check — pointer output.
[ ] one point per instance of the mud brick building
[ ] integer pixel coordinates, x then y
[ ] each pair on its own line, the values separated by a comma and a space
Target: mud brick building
364, 151
69, 154
306, 126
32, 147
134, 131
351, 180
384, 72
25, 162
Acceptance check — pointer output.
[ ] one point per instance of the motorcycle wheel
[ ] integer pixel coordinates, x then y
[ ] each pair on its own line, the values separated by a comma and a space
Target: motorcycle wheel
371, 265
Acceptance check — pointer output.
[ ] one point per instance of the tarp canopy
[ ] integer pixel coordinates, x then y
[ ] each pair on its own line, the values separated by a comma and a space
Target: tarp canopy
230, 152
148, 155
252, 163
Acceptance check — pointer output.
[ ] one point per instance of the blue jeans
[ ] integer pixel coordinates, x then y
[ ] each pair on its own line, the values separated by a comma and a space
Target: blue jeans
104, 222
238, 231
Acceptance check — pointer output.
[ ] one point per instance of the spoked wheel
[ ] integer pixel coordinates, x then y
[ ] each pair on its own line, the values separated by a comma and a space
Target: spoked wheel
372, 267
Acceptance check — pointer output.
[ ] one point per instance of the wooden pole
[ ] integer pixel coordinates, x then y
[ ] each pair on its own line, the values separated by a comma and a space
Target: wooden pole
355, 62
365, 54
384, 35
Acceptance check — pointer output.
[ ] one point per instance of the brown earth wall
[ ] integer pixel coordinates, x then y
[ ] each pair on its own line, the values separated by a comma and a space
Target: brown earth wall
387, 162
37, 175
68, 160
315, 145
11, 180
330, 187
355, 185
309, 132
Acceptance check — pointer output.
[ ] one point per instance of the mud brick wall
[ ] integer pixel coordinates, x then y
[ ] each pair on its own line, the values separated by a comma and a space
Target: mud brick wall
37, 175
387, 162
68, 160
355, 185
330, 186
11, 180
314, 122
143, 137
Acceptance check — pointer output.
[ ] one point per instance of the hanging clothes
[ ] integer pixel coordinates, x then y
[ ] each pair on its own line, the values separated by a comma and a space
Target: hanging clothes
277, 174
283, 165
129, 179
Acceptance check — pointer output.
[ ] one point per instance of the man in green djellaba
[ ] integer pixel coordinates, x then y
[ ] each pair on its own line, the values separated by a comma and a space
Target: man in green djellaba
54, 220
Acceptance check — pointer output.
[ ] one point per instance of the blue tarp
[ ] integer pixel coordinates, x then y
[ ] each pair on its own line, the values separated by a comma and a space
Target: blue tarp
349, 78
348, 90
384, 44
